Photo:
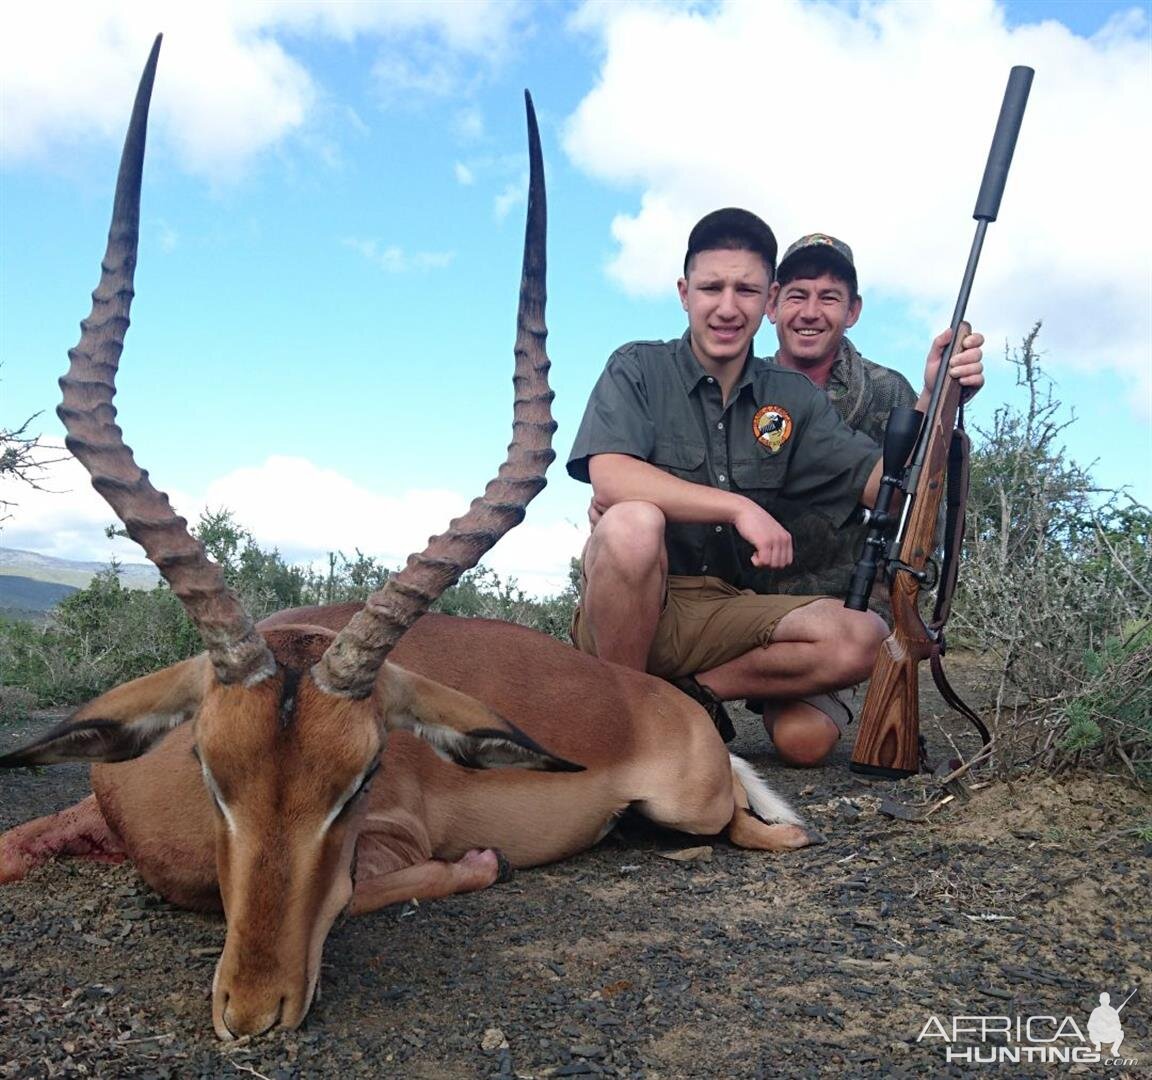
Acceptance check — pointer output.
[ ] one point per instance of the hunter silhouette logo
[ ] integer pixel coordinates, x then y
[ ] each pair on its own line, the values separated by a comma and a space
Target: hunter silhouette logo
772, 426
1047, 1039
1104, 1025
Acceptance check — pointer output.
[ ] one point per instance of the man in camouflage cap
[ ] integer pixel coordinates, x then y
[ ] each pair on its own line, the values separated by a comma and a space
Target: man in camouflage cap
813, 302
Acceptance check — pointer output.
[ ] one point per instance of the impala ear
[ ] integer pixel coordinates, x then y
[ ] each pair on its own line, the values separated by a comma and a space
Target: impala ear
124, 722
458, 727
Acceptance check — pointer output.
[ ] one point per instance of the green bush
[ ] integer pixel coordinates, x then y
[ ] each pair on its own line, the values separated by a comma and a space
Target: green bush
1110, 715
95, 638
346, 580
1055, 588
107, 634
15, 703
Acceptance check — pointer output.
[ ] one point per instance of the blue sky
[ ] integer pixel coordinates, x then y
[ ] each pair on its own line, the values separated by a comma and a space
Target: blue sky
333, 217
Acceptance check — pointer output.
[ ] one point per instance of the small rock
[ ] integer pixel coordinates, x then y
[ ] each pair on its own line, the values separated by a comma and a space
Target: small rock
692, 854
492, 1040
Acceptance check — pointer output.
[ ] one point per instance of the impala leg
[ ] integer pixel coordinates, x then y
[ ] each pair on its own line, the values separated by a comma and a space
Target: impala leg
429, 880
755, 801
532, 818
710, 791
79, 831
697, 800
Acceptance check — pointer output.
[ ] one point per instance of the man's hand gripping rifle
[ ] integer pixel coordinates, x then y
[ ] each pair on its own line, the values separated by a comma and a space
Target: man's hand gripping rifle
919, 452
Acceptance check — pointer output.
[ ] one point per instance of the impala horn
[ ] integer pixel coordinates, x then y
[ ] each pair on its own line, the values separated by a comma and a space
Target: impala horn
350, 664
237, 651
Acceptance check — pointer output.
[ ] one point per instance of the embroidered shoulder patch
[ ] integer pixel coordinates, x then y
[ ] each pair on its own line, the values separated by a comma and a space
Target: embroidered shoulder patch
772, 427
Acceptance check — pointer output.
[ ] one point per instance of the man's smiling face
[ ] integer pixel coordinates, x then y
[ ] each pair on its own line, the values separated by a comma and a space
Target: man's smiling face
725, 294
811, 317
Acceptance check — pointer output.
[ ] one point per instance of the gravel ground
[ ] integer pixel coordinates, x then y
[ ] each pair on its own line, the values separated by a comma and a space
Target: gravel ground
654, 955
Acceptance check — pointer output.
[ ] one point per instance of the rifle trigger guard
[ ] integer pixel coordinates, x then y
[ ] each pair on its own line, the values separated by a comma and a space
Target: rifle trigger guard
928, 578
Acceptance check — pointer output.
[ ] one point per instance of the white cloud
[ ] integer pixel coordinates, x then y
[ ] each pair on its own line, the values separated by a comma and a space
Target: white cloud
873, 122
63, 517
512, 195
168, 238
477, 27
395, 259
226, 93
469, 124
68, 519
464, 175
230, 88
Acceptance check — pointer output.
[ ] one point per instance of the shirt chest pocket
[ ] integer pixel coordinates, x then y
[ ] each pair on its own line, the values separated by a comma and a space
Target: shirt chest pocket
760, 478
680, 456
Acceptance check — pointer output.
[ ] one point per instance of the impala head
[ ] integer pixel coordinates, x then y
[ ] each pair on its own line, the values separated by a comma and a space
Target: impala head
288, 724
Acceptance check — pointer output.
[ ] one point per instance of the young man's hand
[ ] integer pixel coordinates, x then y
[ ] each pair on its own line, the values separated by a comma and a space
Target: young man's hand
595, 511
773, 542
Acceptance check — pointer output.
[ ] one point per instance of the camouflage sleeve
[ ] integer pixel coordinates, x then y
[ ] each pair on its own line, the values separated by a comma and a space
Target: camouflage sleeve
886, 390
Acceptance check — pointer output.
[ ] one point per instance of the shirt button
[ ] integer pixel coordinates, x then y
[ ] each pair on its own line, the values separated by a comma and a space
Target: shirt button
710, 379
720, 426
719, 528
723, 478
704, 569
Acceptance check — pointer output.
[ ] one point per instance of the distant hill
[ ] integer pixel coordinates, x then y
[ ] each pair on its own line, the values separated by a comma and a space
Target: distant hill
44, 568
26, 598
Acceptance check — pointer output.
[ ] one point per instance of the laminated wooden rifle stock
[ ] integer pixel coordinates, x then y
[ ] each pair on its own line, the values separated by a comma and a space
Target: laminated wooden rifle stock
888, 741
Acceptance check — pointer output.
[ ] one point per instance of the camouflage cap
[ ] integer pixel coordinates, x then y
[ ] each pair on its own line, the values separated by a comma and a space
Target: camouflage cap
822, 248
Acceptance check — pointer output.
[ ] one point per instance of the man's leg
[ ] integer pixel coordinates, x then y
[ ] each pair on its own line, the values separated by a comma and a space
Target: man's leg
820, 647
625, 571
803, 734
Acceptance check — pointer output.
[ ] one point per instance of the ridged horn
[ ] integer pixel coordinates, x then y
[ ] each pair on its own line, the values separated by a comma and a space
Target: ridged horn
237, 651
350, 664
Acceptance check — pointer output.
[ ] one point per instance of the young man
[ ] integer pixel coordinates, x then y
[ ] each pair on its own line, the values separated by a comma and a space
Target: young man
813, 302
689, 445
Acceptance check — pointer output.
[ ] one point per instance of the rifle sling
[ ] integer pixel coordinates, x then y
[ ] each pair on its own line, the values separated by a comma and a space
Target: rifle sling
957, 500
948, 693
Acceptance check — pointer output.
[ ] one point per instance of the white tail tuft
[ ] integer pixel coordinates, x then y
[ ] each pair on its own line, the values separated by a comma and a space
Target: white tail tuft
765, 803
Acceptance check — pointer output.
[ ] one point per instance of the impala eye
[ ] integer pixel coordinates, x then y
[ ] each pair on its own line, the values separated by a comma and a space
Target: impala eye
368, 778
363, 786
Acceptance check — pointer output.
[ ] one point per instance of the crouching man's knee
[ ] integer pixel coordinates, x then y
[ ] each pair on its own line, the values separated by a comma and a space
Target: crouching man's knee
859, 646
802, 734
628, 540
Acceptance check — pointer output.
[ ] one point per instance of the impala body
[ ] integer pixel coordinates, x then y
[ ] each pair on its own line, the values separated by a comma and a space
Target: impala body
348, 757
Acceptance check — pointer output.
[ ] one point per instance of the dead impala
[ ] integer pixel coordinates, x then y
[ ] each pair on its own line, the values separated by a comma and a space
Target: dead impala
255, 795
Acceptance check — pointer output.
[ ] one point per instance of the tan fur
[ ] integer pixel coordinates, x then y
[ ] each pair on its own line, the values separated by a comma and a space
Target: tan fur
282, 866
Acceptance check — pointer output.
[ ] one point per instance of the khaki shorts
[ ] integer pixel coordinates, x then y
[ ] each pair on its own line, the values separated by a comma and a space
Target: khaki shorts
705, 622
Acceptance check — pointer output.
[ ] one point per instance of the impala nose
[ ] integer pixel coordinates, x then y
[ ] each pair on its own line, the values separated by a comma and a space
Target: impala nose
237, 1018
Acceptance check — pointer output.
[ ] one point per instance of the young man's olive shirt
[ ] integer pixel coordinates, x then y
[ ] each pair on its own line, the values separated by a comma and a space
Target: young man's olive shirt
656, 403
824, 554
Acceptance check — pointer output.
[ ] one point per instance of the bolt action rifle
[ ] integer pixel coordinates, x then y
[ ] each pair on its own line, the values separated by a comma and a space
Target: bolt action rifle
919, 452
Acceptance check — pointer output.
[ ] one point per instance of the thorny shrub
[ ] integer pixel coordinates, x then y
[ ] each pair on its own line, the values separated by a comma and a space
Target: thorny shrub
1055, 587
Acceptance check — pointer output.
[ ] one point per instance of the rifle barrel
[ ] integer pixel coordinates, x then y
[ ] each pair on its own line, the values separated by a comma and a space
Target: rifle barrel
887, 740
